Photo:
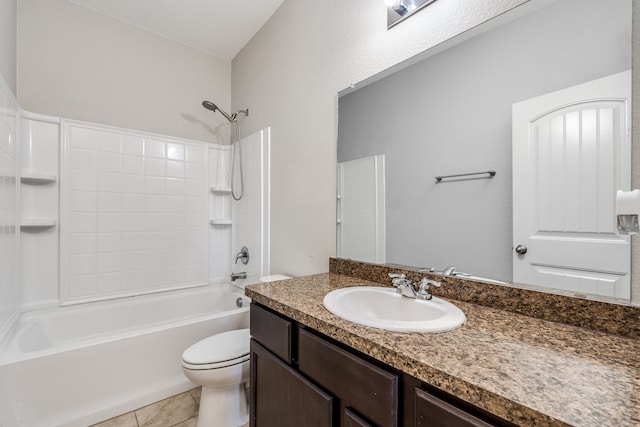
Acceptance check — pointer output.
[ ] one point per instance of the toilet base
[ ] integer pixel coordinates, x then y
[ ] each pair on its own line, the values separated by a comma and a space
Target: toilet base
223, 406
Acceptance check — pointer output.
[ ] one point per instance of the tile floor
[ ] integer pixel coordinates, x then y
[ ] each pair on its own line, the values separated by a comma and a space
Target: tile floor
177, 411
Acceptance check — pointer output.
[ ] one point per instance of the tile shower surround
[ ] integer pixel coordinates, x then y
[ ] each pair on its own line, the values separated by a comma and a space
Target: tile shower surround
8, 208
136, 212
599, 316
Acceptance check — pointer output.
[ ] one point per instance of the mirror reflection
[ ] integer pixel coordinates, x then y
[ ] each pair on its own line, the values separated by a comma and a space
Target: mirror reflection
453, 114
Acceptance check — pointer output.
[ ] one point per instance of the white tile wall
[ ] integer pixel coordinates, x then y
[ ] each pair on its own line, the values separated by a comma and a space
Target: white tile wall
9, 291
219, 208
133, 213
39, 247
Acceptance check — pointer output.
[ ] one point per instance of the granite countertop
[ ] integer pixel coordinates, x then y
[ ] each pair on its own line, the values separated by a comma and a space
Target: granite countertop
528, 371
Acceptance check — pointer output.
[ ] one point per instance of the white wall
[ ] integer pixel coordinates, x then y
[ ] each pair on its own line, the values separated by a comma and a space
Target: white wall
289, 75
8, 43
76, 63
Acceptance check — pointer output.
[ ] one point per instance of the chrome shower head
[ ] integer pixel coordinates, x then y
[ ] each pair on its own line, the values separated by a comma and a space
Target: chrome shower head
209, 105
213, 107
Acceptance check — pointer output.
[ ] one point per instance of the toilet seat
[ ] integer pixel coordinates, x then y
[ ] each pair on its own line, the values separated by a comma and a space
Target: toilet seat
218, 351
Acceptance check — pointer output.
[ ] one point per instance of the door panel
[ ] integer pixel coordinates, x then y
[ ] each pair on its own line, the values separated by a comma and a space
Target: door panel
571, 153
434, 412
281, 397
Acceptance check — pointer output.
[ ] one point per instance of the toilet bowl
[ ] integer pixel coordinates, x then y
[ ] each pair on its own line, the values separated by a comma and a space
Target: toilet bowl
220, 364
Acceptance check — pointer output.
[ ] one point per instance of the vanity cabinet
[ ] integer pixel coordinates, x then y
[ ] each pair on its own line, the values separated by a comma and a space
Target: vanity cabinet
284, 397
301, 378
430, 411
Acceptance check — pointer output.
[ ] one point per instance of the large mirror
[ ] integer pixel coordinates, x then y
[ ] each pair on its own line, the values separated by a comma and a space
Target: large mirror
451, 113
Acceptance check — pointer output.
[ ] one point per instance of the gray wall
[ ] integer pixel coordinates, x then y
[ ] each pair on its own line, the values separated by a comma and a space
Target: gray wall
8, 42
452, 114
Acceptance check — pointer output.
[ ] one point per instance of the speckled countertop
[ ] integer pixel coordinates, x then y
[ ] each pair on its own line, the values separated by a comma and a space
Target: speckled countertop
529, 371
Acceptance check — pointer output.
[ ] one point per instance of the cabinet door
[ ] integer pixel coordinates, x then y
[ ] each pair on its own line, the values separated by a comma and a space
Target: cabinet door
366, 388
351, 419
280, 397
434, 412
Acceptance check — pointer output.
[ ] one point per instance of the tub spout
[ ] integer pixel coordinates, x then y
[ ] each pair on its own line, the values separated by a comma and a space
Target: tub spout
236, 276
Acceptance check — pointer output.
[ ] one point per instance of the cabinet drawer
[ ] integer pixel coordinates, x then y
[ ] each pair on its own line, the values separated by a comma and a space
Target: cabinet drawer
272, 331
368, 389
434, 412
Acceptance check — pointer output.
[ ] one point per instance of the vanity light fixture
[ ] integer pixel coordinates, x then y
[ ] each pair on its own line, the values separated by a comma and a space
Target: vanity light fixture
398, 6
398, 10
627, 211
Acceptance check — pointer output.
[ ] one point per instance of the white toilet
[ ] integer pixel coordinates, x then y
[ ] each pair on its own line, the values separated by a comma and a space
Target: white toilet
220, 364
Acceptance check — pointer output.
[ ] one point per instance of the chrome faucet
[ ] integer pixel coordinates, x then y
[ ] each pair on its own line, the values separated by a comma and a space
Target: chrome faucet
236, 276
408, 289
243, 256
450, 271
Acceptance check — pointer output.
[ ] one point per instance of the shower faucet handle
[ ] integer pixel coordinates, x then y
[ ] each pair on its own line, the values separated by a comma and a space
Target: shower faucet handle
243, 256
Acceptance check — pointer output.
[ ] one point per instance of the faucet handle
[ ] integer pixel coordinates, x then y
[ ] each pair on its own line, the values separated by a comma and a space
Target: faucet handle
243, 256
423, 291
425, 283
397, 279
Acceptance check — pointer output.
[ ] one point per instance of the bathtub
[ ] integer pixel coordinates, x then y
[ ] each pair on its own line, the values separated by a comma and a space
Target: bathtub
75, 366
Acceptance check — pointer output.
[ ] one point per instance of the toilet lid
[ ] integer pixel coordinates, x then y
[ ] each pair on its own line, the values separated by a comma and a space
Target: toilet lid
218, 348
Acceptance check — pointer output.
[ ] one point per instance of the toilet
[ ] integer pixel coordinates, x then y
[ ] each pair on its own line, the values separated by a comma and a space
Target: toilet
220, 364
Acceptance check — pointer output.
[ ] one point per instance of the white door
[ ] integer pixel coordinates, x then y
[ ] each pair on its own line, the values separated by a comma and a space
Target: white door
571, 152
360, 210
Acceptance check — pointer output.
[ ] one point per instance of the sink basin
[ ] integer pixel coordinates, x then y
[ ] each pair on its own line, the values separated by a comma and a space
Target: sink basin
384, 308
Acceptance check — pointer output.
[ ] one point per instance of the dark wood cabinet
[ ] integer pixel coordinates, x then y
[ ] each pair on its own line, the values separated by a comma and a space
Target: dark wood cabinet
351, 419
301, 378
284, 398
432, 411
360, 385
271, 331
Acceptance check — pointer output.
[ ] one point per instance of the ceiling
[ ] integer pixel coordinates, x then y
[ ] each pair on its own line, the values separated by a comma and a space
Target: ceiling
218, 27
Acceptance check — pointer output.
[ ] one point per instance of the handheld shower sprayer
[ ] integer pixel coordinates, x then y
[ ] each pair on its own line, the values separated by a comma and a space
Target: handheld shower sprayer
235, 140
213, 107
232, 118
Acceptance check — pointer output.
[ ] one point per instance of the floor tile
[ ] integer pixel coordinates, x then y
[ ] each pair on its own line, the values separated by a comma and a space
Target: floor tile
192, 422
168, 412
126, 420
196, 393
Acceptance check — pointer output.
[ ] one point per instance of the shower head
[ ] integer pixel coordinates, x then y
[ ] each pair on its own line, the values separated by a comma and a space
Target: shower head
213, 107
209, 105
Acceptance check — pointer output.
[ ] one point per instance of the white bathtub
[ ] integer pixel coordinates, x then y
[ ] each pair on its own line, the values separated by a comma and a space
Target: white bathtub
75, 366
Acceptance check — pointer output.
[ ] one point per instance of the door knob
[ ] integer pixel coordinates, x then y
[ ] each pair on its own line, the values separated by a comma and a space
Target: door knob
521, 249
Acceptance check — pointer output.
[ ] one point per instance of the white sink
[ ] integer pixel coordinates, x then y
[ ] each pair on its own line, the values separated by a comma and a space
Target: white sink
384, 308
